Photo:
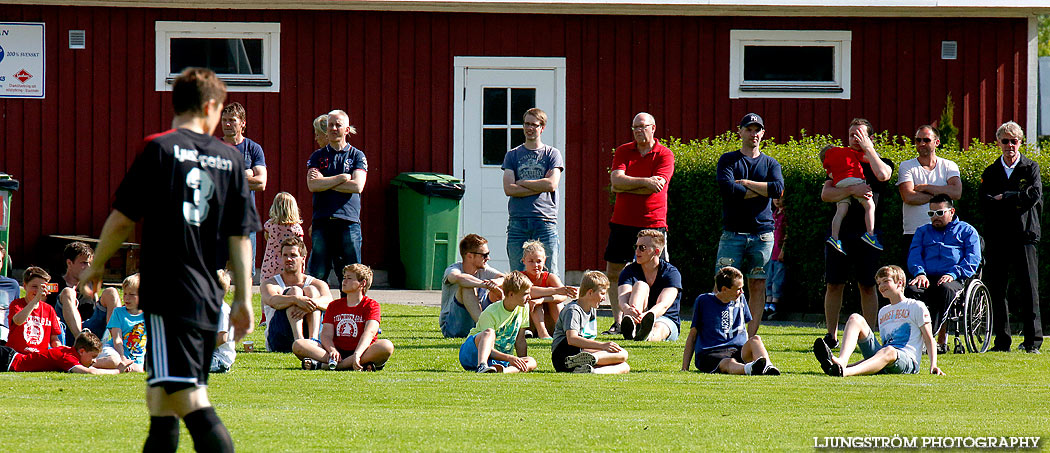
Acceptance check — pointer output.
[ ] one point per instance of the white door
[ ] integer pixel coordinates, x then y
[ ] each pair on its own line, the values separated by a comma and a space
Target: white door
496, 92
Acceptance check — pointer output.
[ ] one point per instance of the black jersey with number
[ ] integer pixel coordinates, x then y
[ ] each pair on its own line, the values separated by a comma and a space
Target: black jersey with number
191, 194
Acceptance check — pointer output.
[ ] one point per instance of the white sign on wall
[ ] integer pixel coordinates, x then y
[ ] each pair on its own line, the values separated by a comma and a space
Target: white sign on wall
21, 60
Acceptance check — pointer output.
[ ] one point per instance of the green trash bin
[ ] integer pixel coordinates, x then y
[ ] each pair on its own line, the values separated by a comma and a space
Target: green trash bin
8, 186
428, 218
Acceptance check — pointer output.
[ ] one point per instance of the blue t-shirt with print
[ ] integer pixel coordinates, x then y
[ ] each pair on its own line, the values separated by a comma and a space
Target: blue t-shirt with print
331, 162
253, 157
133, 333
718, 324
666, 277
531, 164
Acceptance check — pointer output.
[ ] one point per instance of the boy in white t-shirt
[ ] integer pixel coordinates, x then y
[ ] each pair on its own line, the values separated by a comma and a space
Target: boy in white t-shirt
904, 325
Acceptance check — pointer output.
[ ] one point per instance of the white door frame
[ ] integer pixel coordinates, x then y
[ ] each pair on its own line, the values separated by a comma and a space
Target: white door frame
557, 64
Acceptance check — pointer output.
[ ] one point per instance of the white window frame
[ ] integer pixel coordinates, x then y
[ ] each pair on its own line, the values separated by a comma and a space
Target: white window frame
269, 32
840, 40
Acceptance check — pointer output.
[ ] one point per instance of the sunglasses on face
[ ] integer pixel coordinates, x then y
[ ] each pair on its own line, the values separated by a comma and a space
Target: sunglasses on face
923, 140
1009, 141
483, 255
641, 247
937, 213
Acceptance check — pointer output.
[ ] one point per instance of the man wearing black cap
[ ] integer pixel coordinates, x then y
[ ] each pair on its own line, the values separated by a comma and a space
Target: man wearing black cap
747, 180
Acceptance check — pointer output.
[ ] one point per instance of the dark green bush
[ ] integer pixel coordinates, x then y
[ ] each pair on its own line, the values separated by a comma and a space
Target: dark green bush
695, 218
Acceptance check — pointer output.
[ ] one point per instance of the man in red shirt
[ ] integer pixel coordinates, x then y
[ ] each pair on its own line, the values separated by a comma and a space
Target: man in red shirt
34, 323
77, 359
349, 329
641, 173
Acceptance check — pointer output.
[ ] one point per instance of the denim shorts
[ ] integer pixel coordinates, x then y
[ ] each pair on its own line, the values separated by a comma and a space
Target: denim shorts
749, 253
457, 322
905, 364
468, 355
672, 328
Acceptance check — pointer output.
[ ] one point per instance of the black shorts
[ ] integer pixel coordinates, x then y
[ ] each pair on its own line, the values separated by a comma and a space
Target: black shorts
179, 355
708, 361
620, 248
859, 264
560, 353
7, 355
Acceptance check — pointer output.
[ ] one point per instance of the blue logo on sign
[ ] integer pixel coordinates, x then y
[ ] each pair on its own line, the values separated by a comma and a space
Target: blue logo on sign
1, 53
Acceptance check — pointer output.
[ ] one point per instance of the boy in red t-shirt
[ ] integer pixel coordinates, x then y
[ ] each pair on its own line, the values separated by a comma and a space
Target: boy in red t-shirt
34, 324
348, 331
843, 166
76, 359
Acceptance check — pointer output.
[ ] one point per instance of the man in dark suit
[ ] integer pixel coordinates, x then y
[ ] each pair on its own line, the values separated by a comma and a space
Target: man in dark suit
1011, 199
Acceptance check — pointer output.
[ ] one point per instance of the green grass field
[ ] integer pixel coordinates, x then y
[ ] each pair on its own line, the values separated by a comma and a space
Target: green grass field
424, 401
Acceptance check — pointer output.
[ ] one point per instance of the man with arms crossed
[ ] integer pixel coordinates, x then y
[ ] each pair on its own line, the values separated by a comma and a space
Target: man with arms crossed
233, 125
640, 174
336, 175
531, 173
747, 180
924, 177
190, 192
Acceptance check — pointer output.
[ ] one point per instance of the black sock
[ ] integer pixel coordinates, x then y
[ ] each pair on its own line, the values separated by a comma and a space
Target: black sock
208, 432
163, 435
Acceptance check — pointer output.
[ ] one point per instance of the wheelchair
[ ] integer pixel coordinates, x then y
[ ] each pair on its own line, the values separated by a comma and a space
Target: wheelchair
970, 315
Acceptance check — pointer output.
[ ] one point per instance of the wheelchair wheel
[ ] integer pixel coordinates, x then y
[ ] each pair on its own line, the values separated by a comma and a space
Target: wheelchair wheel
977, 317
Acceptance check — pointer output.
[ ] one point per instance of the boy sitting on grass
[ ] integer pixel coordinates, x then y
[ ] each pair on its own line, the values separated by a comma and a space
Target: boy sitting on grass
127, 332
501, 329
76, 359
719, 332
33, 322
904, 325
574, 348
348, 331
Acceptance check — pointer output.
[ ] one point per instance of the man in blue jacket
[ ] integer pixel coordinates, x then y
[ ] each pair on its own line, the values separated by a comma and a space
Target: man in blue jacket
943, 253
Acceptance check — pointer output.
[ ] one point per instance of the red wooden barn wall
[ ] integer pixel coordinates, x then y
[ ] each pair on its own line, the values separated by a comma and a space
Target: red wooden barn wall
393, 73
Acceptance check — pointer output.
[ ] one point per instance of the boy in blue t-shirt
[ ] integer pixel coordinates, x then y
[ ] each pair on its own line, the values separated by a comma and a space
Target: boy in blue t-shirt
126, 332
719, 332
497, 343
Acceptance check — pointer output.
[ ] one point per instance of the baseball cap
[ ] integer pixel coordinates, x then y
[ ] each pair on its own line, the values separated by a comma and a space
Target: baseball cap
752, 118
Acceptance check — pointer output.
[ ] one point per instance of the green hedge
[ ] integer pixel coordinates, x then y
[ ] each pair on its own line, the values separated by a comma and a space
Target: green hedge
695, 215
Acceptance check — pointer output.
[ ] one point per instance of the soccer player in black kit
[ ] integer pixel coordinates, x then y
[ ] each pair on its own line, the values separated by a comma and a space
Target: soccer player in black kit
189, 190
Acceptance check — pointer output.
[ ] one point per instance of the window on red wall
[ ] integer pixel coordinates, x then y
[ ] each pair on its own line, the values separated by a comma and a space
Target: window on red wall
789, 64
246, 55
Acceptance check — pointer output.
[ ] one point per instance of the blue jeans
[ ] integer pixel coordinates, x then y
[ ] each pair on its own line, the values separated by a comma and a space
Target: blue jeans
748, 253
336, 243
774, 280
251, 238
457, 322
521, 230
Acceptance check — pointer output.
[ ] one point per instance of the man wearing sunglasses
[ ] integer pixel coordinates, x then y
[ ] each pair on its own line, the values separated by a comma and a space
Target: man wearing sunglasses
1011, 194
923, 178
468, 287
943, 253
